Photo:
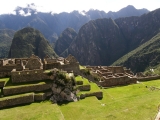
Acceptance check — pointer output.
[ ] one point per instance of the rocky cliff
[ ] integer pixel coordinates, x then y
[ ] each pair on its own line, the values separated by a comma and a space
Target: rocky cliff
145, 57
6, 36
30, 41
64, 40
97, 42
103, 41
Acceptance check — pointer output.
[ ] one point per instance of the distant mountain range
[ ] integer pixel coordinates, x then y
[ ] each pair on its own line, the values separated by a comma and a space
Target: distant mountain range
51, 25
93, 37
103, 41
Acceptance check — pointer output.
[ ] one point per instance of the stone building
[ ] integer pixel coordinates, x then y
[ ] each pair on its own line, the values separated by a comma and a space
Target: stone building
113, 75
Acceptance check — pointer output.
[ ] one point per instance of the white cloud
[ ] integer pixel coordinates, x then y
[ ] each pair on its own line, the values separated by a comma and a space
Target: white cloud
57, 6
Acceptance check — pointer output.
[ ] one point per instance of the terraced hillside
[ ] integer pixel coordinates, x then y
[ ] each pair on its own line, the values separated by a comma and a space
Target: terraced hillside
132, 102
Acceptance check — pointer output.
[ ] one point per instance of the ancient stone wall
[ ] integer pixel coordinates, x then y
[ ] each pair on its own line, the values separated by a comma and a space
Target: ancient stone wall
114, 81
25, 88
16, 100
148, 78
28, 75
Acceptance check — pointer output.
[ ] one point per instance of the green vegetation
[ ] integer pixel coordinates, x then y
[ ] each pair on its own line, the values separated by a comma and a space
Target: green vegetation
30, 41
81, 67
144, 57
15, 96
35, 111
132, 102
80, 78
5, 79
6, 37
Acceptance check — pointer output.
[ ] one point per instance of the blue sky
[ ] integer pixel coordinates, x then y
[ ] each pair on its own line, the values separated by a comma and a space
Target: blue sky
57, 6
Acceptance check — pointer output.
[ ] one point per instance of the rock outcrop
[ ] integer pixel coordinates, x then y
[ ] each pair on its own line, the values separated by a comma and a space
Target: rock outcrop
65, 39
62, 87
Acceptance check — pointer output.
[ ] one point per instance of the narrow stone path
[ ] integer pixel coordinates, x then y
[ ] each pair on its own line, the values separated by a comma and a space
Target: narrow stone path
158, 116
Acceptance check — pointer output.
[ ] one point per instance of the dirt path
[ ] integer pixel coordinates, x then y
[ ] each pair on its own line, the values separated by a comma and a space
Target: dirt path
158, 116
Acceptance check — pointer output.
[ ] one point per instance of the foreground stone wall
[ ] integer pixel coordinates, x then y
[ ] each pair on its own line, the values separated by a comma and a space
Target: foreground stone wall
25, 89
17, 100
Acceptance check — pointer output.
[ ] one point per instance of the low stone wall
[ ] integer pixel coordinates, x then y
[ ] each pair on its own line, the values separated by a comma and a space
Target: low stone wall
148, 78
79, 82
99, 95
84, 87
28, 75
42, 96
123, 80
25, 88
16, 100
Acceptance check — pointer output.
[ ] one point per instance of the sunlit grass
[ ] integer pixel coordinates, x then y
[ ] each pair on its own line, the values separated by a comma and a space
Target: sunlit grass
131, 102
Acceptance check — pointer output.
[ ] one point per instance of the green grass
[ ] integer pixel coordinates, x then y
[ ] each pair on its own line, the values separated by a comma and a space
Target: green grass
80, 78
81, 67
35, 111
15, 96
5, 79
132, 102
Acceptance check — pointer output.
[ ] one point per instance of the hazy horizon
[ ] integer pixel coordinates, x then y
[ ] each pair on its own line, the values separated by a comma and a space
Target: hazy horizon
8, 7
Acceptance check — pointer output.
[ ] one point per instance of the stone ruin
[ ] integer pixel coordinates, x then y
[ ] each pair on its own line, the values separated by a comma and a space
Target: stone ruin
113, 75
32, 83
26, 75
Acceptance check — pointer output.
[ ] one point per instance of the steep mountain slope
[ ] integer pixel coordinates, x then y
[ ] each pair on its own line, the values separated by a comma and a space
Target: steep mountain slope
52, 25
30, 41
65, 39
6, 37
102, 41
143, 57
97, 42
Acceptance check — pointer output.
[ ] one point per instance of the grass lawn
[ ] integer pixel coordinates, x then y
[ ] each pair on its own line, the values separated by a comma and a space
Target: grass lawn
132, 102
35, 111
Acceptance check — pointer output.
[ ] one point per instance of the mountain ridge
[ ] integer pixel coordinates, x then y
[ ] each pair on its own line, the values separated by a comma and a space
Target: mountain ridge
52, 24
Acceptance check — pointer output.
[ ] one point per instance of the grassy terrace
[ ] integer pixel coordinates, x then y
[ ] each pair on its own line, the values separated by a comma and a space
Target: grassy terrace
5, 79
132, 102
15, 96
79, 78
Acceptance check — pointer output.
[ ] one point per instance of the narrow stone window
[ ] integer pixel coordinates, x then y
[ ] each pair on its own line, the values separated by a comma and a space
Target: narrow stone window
19, 73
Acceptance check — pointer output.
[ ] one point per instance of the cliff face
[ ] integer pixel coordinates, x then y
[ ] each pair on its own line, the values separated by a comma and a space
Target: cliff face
6, 36
138, 30
103, 41
29, 41
97, 42
147, 56
65, 39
